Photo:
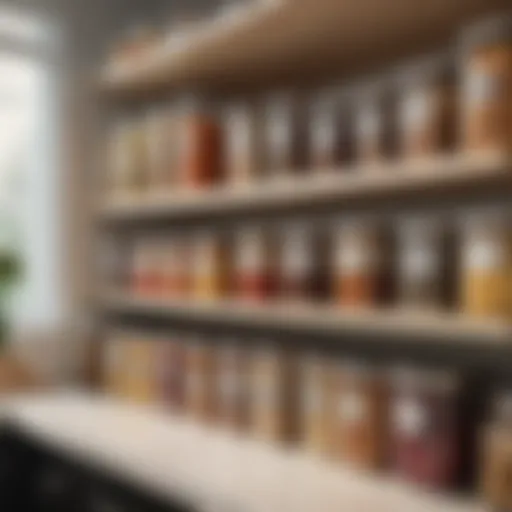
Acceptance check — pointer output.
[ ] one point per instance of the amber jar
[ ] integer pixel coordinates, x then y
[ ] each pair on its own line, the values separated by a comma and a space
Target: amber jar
256, 264
212, 266
285, 136
314, 404
273, 415
303, 268
486, 265
200, 144
200, 396
331, 132
170, 373
233, 387
497, 456
426, 267
426, 427
362, 264
358, 416
487, 74
427, 120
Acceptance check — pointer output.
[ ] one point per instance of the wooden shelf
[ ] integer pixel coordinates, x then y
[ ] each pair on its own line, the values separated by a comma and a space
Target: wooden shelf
436, 177
208, 468
411, 326
288, 39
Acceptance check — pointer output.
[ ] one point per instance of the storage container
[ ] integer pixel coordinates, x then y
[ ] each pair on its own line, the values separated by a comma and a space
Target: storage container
170, 373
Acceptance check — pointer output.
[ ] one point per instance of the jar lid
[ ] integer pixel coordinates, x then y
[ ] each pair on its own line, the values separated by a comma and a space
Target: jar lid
411, 378
494, 30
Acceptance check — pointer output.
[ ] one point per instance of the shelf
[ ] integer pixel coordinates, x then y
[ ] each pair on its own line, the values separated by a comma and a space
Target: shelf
208, 468
272, 42
433, 178
410, 326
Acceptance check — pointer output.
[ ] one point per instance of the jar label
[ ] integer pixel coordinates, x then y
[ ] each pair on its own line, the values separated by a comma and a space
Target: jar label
251, 253
484, 256
481, 87
420, 263
298, 258
352, 408
410, 418
368, 122
416, 109
353, 259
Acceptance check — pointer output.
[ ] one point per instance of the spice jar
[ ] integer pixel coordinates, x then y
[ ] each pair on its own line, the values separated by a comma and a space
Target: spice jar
200, 399
304, 266
362, 263
285, 136
242, 144
177, 268
487, 75
232, 387
486, 273
273, 389
314, 404
331, 136
199, 144
358, 416
256, 264
170, 373
427, 118
211, 278
426, 426
497, 459
426, 264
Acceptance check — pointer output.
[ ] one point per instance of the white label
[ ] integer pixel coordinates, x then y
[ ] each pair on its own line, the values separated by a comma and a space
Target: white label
368, 123
352, 408
251, 253
410, 418
481, 87
484, 256
421, 263
416, 110
354, 258
298, 254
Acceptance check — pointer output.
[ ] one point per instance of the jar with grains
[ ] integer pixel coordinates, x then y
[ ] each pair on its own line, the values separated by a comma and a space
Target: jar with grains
486, 49
273, 390
256, 264
141, 370
427, 120
285, 134
199, 144
486, 265
426, 426
358, 415
497, 459
242, 141
212, 266
362, 264
426, 266
233, 387
177, 267
314, 403
331, 135
170, 373
200, 396
304, 269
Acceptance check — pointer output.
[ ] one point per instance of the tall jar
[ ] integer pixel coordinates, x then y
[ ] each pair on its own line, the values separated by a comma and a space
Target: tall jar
358, 416
426, 426
147, 276
486, 265
177, 267
362, 264
141, 370
170, 373
486, 49
114, 355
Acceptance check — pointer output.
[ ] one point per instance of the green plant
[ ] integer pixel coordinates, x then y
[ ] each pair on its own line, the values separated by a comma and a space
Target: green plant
10, 271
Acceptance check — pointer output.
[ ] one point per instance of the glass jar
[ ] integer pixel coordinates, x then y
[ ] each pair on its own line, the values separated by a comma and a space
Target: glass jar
426, 426
147, 276
487, 75
114, 365
426, 117
170, 373
486, 266
358, 416
177, 267
141, 366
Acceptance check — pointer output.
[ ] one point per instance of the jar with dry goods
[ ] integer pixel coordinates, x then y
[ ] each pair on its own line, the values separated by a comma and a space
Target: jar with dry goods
486, 266
487, 74
427, 121
232, 387
304, 267
199, 144
426, 269
497, 459
362, 264
273, 390
331, 134
358, 415
314, 403
426, 426
256, 264
200, 396
140, 364
170, 372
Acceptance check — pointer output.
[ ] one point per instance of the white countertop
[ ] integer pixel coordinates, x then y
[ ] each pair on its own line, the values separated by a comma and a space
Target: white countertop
213, 469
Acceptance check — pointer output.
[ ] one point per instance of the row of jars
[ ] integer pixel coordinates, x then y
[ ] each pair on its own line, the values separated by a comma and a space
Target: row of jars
424, 262
435, 105
411, 421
